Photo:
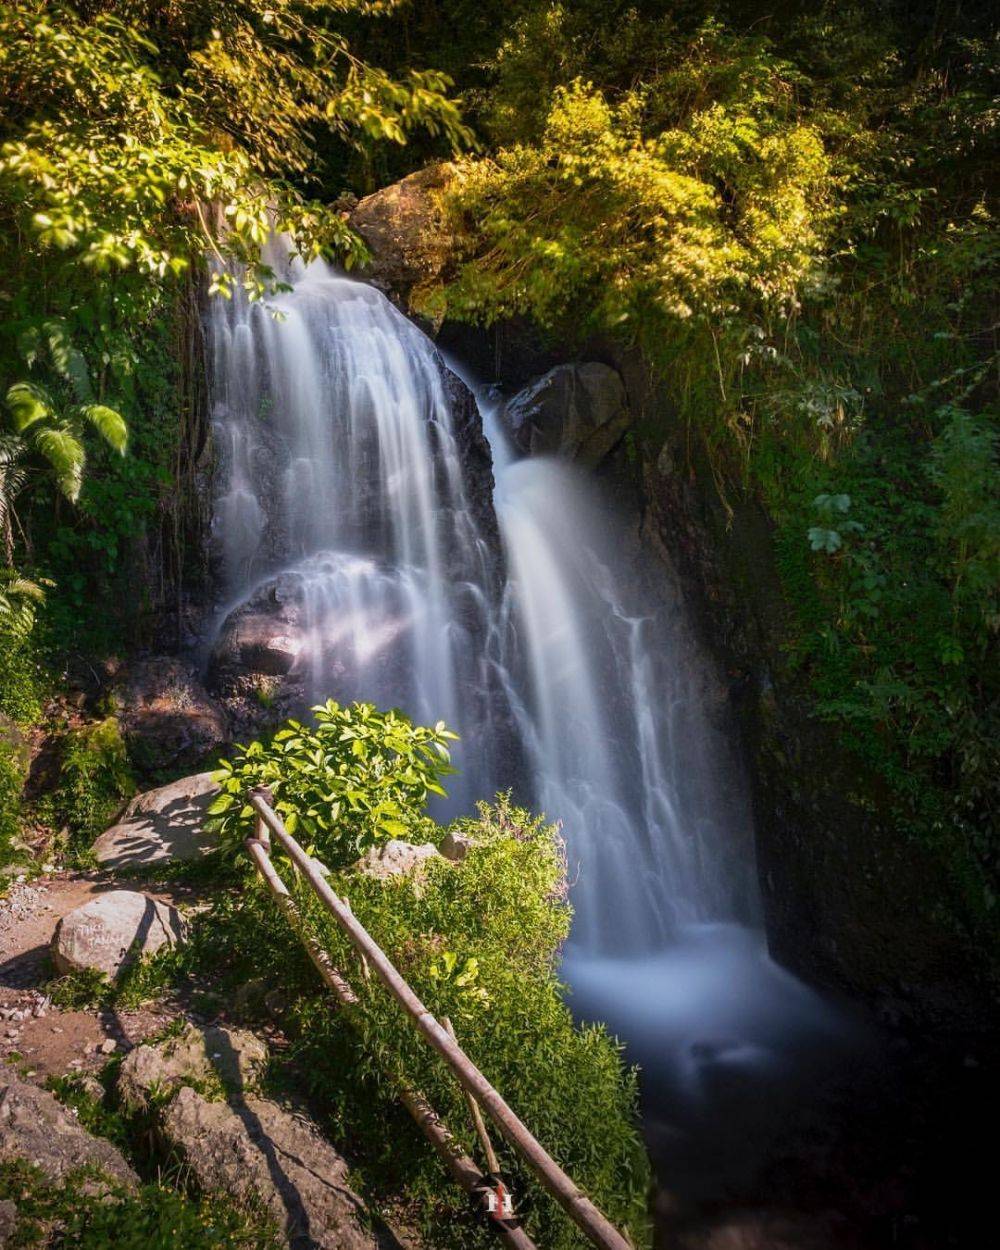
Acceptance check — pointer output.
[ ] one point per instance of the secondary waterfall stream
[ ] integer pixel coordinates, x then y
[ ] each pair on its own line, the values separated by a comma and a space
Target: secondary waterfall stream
354, 485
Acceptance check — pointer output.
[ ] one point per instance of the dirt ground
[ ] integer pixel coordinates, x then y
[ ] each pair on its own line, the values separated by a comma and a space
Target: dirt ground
34, 1033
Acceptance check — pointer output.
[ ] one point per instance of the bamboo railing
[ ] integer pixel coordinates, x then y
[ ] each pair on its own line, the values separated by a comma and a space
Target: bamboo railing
592, 1222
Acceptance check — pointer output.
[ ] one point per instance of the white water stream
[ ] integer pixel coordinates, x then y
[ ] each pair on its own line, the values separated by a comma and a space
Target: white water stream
341, 466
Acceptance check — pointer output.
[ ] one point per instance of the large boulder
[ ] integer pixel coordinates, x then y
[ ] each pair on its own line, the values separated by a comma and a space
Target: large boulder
36, 1127
160, 826
168, 717
205, 1084
229, 1061
577, 411
112, 931
258, 1152
410, 244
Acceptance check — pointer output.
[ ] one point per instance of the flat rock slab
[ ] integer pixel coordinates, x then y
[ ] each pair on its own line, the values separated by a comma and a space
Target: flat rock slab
205, 1082
113, 930
160, 826
259, 1152
35, 1126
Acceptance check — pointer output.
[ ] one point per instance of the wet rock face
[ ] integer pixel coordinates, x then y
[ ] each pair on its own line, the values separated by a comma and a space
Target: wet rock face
168, 717
578, 411
113, 930
34, 1126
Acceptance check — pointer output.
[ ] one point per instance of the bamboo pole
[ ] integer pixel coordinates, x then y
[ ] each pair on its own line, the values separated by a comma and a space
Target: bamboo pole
492, 1162
462, 1168
576, 1204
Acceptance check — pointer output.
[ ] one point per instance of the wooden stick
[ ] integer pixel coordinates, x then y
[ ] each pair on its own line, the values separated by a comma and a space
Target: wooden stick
261, 831
576, 1204
321, 960
492, 1163
463, 1169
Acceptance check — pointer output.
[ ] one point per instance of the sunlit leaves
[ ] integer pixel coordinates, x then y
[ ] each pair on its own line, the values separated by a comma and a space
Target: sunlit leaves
727, 210
108, 423
355, 777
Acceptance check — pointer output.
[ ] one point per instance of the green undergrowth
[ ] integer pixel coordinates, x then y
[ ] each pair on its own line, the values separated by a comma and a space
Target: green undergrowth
87, 989
11, 786
479, 942
69, 1214
93, 779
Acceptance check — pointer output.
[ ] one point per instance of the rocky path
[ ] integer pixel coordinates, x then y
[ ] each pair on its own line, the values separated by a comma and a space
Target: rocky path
34, 1032
236, 1140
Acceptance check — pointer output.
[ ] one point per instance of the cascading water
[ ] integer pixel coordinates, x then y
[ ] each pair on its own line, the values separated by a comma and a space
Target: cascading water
612, 714
355, 495
341, 475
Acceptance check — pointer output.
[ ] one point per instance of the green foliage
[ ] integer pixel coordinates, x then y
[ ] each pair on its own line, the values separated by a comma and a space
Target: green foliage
81, 989
356, 777
11, 785
72, 1212
140, 981
726, 209
480, 944
19, 600
22, 676
93, 1114
790, 211
94, 779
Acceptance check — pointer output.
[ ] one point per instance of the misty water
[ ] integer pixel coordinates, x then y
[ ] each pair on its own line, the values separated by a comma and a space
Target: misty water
570, 673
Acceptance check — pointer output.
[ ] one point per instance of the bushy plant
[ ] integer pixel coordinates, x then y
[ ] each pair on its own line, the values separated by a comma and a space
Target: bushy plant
94, 779
11, 785
22, 677
355, 777
480, 944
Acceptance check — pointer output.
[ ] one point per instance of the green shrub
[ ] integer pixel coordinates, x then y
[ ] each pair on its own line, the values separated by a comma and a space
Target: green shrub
11, 785
94, 779
21, 678
479, 942
357, 776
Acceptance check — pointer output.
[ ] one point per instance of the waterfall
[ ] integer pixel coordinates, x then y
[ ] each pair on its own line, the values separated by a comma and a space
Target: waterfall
341, 487
342, 477
357, 518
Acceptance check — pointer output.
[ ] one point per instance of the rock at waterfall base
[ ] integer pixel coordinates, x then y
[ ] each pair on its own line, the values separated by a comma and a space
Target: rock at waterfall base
112, 931
168, 717
160, 826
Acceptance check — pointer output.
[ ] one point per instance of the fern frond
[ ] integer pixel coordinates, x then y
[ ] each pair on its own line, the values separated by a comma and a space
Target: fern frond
65, 455
108, 423
28, 404
18, 599
69, 363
